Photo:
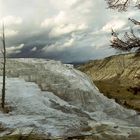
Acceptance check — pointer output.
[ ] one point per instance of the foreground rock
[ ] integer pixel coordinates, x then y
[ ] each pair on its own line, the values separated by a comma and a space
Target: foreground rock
117, 77
52, 101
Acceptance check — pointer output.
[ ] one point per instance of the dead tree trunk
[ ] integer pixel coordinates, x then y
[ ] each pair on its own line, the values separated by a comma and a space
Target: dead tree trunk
4, 67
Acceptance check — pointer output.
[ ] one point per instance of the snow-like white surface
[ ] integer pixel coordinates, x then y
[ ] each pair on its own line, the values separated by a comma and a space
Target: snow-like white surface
68, 102
34, 108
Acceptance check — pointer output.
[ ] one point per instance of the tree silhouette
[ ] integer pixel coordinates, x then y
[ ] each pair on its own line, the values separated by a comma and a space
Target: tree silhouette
130, 40
122, 5
3, 50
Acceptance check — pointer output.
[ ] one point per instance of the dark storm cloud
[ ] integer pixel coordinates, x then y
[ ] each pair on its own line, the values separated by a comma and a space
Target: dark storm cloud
75, 30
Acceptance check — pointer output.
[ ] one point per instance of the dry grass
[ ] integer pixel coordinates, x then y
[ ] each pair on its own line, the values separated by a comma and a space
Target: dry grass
6, 109
122, 95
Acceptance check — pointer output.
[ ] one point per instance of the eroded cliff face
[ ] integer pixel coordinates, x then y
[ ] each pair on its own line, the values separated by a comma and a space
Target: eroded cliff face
117, 77
57, 101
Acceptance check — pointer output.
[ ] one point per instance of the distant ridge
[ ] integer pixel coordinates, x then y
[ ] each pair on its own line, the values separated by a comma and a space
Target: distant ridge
118, 77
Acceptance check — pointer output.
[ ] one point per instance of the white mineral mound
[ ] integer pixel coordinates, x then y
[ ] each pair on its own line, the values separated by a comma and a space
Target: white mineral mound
56, 100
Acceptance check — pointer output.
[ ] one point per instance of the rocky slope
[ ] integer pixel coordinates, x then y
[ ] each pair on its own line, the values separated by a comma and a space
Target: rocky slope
117, 77
54, 101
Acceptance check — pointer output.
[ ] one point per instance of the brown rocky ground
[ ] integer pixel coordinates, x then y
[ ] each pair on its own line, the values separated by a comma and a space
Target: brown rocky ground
117, 77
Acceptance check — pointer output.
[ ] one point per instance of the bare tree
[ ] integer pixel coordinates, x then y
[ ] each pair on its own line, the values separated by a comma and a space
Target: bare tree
122, 5
130, 40
3, 50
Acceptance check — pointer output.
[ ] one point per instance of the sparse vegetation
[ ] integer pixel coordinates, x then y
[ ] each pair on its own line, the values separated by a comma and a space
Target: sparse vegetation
22, 137
118, 78
135, 90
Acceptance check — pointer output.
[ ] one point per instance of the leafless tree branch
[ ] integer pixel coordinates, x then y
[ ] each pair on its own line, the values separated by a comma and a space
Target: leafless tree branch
122, 5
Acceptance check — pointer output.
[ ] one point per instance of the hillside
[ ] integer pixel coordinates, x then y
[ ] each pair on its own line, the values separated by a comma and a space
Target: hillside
117, 77
51, 100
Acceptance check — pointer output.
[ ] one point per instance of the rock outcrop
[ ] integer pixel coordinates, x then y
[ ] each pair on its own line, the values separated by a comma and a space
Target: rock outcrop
57, 101
117, 77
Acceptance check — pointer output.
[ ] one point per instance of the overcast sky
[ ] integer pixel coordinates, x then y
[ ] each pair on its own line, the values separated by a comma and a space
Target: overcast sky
66, 30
